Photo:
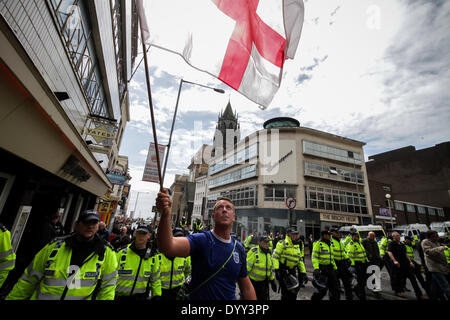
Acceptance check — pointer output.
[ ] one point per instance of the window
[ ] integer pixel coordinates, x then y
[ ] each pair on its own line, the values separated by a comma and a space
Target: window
399, 206
440, 212
279, 193
236, 175
431, 211
420, 209
333, 170
241, 197
410, 208
335, 200
324, 151
333, 173
233, 159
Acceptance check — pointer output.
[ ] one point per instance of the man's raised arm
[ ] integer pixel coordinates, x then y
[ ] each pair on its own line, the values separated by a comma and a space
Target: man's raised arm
168, 244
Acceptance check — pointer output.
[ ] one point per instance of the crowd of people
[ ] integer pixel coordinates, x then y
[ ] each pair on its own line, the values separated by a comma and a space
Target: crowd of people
138, 262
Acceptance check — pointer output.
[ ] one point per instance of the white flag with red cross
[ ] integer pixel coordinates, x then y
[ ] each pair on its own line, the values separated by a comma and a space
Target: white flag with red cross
243, 43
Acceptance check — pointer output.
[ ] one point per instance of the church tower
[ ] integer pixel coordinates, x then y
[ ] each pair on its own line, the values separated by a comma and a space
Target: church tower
227, 132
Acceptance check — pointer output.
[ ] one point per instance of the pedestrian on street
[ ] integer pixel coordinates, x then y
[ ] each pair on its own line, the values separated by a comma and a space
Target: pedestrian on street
80, 266
402, 266
260, 269
372, 250
174, 271
324, 266
342, 263
251, 241
289, 265
358, 257
51, 229
139, 270
385, 260
103, 232
416, 270
218, 260
122, 239
436, 262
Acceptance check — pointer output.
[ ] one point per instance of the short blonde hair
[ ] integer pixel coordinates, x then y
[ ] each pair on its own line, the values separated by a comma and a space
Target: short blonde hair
223, 198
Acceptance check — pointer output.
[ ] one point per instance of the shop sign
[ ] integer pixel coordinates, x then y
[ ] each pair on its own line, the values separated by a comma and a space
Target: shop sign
116, 176
338, 218
102, 133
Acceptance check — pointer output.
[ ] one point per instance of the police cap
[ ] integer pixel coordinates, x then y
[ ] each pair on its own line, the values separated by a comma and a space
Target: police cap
88, 215
144, 228
178, 232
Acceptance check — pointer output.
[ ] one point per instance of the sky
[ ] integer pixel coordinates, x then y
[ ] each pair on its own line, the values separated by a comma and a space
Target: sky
375, 71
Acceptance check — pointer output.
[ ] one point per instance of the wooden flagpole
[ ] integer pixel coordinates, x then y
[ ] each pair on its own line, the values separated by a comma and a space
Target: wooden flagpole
147, 77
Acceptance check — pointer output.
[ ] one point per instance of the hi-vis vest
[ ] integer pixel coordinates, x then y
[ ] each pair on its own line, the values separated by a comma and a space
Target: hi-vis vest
7, 255
51, 277
288, 254
447, 254
135, 273
409, 251
338, 250
322, 255
356, 252
174, 272
383, 245
259, 265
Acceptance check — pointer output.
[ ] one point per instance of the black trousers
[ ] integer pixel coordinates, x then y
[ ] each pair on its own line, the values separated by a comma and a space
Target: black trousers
420, 278
170, 294
346, 277
361, 278
261, 289
332, 285
399, 276
285, 293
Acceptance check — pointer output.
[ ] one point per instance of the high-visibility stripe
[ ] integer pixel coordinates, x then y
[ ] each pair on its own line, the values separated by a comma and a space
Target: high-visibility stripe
6, 253
166, 284
128, 289
7, 264
48, 296
110, 276
112, 282
84, 283
131, 278
175, 272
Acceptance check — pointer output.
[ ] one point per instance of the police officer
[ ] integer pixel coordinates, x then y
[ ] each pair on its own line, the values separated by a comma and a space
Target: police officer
348, 238
342, 262
7, 255
287, 261
323, 263
197, 226
408, 242
139, 271
260, 269
358, 257
174, 271
81, 266
251, 241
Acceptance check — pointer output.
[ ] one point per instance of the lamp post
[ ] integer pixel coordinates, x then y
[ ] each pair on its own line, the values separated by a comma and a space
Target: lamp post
175, 115
388, 197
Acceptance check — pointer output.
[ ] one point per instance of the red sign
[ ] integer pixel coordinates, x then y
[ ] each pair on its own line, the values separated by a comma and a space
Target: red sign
291, 202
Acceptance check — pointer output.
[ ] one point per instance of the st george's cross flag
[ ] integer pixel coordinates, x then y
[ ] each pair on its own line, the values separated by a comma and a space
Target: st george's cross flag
243, 43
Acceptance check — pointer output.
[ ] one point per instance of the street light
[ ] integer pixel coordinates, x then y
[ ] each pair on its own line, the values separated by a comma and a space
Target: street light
175, 115
388, 197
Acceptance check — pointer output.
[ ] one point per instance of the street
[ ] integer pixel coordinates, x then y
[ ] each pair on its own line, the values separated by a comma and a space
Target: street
385, 294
